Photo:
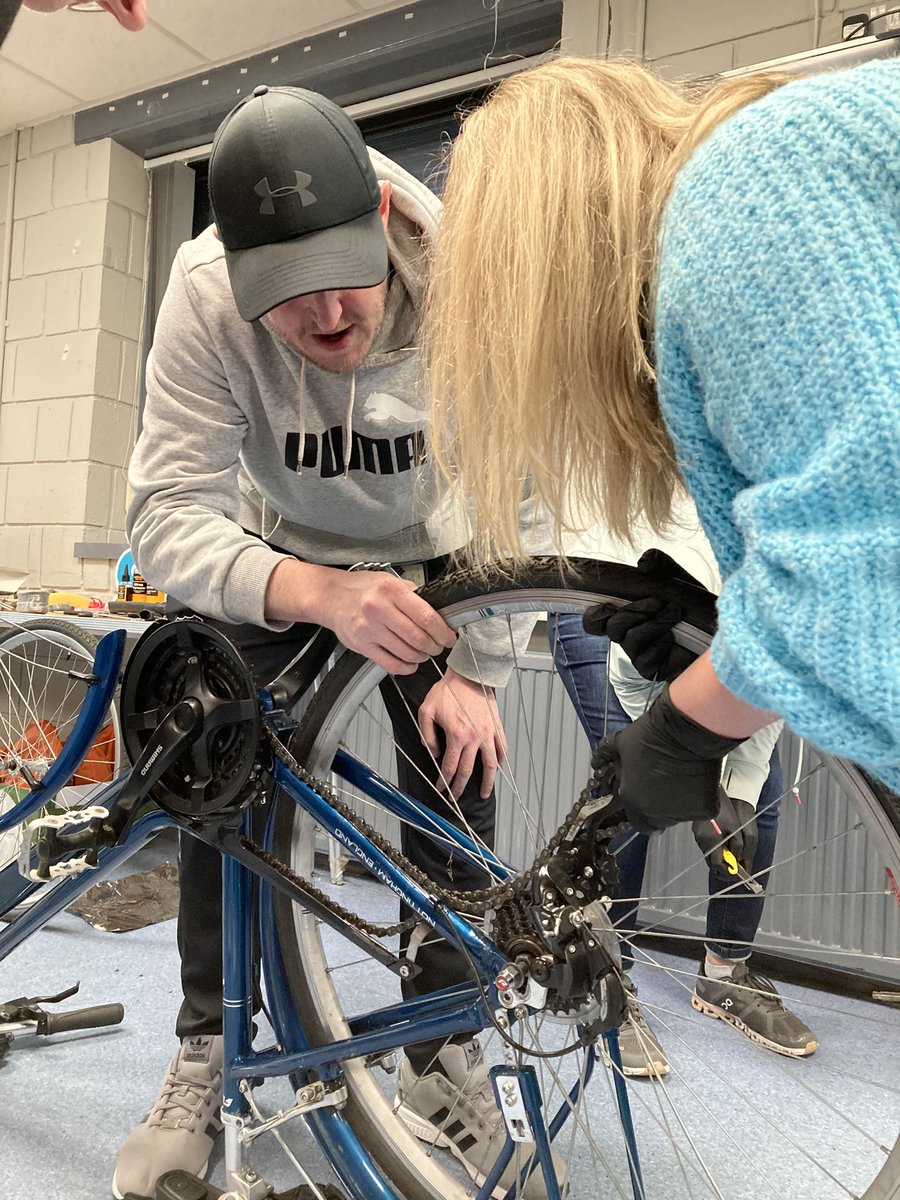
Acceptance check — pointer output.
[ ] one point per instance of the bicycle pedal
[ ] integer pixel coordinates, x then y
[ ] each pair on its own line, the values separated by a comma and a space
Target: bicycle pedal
66, 822
181, 1185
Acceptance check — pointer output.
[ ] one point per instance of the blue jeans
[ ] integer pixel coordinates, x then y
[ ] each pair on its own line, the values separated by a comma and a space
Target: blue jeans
731, 920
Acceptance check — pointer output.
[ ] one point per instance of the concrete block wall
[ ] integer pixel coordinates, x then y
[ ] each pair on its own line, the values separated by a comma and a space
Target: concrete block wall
699, 37
704, 37
69, 385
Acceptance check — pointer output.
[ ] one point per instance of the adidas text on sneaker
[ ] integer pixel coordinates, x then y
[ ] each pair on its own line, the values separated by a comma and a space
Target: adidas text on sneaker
180, 1129
751, 1004
451, 1106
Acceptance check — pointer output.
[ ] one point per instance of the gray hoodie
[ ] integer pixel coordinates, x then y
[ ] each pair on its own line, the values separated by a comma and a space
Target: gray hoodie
240, 431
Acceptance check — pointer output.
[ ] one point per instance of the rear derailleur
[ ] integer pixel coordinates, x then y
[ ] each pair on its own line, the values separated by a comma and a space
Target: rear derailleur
564, 950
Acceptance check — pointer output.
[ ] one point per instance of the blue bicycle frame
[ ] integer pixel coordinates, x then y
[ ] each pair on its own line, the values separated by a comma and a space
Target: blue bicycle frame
460, 1009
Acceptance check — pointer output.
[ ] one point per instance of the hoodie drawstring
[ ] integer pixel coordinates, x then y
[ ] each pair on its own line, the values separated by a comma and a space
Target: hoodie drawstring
348, 425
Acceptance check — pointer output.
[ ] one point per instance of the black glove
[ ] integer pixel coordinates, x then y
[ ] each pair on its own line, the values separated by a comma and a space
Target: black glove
737, 821
643, 628
665, 768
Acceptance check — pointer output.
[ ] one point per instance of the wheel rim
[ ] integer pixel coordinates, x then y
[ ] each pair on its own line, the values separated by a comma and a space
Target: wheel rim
703, 1061
40, 697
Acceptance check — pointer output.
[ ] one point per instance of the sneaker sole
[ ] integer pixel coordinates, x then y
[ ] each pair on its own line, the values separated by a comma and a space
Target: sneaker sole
119, 1195
654, 1070
425, 1131
713, 1010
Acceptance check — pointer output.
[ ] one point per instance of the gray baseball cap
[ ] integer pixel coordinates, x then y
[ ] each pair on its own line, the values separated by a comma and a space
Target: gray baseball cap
295, 200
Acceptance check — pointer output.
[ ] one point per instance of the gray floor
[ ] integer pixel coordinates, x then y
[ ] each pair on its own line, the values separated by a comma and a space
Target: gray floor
68, 1102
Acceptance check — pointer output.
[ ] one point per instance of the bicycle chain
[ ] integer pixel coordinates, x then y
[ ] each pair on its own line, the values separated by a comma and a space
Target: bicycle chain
473, 903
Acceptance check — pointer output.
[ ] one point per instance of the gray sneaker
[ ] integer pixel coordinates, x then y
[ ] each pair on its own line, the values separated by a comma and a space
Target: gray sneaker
751, 1004
639, 1048
452, 1106
180, 1129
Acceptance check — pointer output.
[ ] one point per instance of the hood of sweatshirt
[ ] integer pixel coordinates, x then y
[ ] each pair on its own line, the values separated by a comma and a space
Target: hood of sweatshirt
242, 433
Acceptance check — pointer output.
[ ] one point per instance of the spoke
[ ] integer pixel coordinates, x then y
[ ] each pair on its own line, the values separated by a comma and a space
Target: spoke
661, 1093
836, 837
254, 1108
677, 974
742, 1094
579, 1122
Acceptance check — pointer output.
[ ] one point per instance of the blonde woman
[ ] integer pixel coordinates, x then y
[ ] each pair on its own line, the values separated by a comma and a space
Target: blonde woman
636, 286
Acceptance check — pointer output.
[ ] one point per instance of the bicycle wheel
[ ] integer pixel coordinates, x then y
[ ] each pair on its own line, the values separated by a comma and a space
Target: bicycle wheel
40, 697
731, 1120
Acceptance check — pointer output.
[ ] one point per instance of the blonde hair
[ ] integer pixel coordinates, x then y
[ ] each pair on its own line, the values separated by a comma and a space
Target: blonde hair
537, 318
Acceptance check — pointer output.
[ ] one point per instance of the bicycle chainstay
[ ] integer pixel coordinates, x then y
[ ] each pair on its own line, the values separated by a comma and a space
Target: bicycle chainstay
472, 903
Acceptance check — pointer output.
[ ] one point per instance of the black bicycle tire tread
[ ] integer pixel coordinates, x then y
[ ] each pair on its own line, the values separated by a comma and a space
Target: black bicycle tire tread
88, 641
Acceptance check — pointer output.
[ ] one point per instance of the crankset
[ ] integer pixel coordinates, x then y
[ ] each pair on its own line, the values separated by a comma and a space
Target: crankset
184, 663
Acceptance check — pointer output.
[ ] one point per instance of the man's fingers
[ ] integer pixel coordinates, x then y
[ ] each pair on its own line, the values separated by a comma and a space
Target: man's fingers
489, 765
428, 730
450, 763
390, 662
426, 619
464, 767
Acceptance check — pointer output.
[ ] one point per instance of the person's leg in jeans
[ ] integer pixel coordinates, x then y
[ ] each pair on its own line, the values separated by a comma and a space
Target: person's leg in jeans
582, 664
727, 986
732, 918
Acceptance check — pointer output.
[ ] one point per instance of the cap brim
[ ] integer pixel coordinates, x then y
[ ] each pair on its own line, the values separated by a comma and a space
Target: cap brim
352, 255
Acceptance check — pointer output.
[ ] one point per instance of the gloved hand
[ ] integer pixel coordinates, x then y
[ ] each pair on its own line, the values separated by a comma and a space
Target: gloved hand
737, 821
643, 628
664, 767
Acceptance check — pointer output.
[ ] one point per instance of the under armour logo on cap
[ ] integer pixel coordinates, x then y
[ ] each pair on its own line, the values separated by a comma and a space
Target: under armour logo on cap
300, 188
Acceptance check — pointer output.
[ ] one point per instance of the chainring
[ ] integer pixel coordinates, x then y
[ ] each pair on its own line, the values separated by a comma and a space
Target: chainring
183, 658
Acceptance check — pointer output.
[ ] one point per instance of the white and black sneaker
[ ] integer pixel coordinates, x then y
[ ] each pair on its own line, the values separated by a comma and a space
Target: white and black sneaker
451, 1105
180, 1129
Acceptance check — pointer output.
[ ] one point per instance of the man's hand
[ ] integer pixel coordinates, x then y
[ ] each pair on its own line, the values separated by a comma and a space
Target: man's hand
736, 820
665, 767
373, 612
643, 628
466, 714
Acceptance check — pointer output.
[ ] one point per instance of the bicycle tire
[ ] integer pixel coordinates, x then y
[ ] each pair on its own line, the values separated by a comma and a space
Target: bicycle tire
413, 1173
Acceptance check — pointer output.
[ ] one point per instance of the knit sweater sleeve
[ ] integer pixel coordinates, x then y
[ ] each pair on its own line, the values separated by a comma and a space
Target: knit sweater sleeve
778, 351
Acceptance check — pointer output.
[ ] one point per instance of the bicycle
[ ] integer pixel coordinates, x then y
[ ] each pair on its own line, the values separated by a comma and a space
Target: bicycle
544, 993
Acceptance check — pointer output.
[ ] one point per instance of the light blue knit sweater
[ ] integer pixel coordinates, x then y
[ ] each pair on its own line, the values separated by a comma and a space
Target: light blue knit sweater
778, 351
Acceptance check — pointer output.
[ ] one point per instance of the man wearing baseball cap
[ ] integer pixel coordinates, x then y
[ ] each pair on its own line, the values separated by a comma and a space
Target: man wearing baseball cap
284, 440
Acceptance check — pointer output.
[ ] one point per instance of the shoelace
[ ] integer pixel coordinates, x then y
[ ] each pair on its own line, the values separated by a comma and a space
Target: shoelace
750, 981
172, 1109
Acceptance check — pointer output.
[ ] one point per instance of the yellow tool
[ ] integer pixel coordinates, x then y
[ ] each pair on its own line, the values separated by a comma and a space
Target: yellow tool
731, 862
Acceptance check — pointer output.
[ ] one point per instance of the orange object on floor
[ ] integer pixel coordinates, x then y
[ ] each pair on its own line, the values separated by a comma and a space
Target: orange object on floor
40, 744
